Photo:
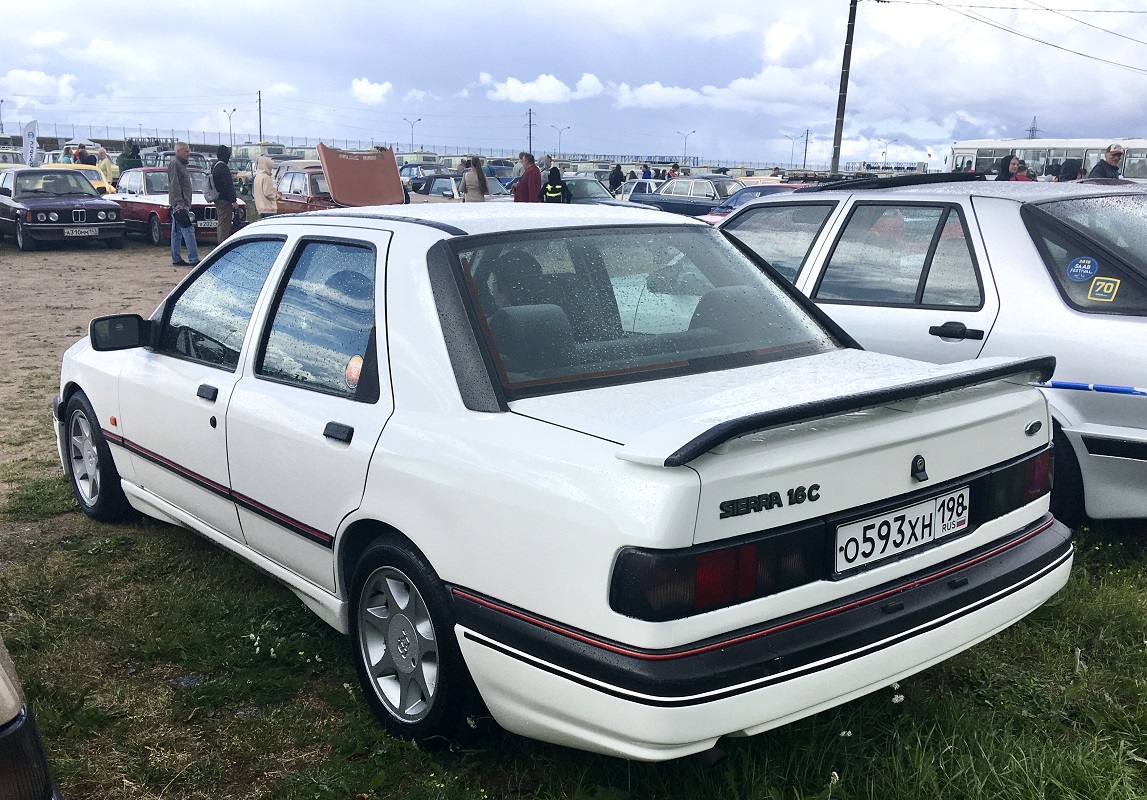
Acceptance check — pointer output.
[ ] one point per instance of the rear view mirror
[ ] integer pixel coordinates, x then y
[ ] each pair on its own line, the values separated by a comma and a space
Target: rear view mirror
119, 332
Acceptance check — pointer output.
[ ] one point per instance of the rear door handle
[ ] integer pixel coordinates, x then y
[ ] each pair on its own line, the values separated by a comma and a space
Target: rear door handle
955, 330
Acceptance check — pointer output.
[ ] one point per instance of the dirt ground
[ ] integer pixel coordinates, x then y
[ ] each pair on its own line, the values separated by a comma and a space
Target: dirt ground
47, 298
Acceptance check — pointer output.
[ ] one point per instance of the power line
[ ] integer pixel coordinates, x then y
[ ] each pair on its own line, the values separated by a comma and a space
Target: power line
1021, 8
978, 18
1088, 24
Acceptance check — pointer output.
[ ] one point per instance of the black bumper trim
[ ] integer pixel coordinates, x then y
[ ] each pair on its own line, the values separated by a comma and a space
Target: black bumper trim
779, 650
1117, 448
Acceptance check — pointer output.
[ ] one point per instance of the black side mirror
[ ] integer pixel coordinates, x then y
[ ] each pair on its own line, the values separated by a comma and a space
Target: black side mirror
119, 332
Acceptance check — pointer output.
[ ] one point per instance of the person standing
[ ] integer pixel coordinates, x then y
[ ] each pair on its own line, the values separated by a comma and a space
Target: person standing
266, 195
66, 156
555, 189
179, 198
105, 166
1007, 168
520, 167
129, 160
86, 157
225, 202
615, 179
1108, 166
1070, 170
646, 173
473, 186
527, 189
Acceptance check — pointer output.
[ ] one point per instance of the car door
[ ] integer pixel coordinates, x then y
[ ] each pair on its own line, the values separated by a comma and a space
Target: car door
903, 278
173, 399
292, 187
303, 424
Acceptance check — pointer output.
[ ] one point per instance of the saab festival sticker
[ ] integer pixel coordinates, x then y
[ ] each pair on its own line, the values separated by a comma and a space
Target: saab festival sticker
1103, 290
353, 372
1082, 269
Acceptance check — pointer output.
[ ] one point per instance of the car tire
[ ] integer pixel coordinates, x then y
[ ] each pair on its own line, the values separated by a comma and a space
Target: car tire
403, 645
154, 230
117, 243
1067, 485
95, 480
23, 241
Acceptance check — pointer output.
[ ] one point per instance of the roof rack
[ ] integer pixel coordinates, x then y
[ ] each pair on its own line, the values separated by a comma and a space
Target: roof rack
893, 182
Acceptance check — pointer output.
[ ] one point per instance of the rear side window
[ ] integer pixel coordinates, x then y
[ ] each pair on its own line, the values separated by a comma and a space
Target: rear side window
322, 330
901, 255
1096, 251
781, 235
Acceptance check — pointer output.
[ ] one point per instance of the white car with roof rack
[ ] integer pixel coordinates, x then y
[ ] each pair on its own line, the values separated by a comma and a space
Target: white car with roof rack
549, 456
945, 268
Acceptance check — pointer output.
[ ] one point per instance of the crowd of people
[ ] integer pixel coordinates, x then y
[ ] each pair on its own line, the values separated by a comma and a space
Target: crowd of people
1013, 168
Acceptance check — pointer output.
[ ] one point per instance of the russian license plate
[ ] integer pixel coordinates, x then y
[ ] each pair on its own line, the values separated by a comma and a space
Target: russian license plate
888, 535
208, 223
81, 231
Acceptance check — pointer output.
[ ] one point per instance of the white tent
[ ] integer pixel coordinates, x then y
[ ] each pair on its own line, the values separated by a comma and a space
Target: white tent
81, 140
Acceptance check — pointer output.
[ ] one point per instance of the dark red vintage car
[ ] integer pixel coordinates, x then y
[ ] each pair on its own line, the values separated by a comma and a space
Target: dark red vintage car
142, 194
344, 179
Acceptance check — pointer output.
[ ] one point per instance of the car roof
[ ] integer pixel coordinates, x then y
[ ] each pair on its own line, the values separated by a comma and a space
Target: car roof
1011, 190
477, 218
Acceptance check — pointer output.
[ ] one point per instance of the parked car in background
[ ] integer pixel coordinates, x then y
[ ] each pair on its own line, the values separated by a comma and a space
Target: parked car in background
601, 175
592, 191
24, 773
637, 186
152, 157
39, 205
551, 456
242, 173
345, 179
414, 174
93, 175
742, 196
692, 196
444, 188
11, 157
142, 195
304, 189
946, 272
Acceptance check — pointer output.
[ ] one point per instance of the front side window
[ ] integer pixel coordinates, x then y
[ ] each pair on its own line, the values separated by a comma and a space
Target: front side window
157, 183
624, 304
208, 320
322, 327
781, 235
1096, 251
902, 256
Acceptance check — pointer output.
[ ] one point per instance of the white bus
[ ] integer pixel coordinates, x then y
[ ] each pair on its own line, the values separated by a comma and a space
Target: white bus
1045, 155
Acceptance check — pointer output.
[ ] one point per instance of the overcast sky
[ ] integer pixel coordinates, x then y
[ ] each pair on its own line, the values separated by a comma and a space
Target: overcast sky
625, 76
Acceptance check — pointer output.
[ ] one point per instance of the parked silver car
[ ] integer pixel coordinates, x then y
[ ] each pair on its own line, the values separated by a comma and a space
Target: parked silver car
24, 773
946, 272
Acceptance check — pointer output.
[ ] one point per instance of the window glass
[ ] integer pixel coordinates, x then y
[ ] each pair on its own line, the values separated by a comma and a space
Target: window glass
952, 277
781, 235
1088, 278
157, 183
321, 326
881, 255
601, 305
209, 319
1135, 164
703, 189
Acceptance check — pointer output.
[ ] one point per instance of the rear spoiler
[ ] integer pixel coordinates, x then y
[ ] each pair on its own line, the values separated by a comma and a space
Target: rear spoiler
650, 449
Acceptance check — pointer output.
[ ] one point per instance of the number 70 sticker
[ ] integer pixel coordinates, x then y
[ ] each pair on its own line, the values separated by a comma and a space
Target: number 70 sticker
1103, 290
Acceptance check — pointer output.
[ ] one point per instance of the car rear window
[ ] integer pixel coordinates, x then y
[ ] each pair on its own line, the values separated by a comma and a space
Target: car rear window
587, 307
781, 235
1096, 251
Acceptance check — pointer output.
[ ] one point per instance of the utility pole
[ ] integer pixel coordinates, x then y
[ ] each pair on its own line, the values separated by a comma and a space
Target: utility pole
1, 115
259, 102
839, 134
836, 152
530, 131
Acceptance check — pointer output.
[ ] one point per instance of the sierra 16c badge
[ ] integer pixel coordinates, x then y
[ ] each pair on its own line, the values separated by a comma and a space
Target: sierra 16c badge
769, 500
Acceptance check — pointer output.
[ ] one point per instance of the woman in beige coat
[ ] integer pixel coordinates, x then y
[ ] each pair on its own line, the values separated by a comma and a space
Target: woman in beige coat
473, 184
266, 195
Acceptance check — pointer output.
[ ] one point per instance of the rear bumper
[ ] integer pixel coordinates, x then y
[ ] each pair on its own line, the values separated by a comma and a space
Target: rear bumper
569, 687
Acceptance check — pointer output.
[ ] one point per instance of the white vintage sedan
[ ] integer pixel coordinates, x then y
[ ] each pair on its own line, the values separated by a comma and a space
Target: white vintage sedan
952, 271
588, 465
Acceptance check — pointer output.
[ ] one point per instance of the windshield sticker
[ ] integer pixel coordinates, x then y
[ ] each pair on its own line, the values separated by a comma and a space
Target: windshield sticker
1082, 269
353, 372
1103, 290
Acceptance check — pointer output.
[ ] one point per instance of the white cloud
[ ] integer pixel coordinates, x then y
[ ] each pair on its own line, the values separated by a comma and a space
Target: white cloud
122, 57
28, 86
654, 95
587, 86
543, 89
366, 91
47, 38
280, 89
419, 95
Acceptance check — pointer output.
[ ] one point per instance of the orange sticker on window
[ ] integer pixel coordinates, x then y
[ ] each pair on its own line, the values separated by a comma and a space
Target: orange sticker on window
353, 371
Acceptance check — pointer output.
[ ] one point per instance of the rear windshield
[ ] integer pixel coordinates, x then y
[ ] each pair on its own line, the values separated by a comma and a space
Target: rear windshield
588, 307
1096, 250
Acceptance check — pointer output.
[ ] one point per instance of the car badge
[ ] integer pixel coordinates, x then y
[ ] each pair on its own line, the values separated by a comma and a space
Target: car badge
918, 471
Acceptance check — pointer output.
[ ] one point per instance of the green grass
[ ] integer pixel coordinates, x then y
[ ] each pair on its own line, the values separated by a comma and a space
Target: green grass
159, 666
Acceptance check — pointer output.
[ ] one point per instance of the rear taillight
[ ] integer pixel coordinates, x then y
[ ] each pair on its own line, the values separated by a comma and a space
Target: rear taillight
1039, 471
661, 585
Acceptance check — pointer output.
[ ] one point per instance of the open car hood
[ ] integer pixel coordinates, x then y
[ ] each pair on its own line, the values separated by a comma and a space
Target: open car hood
361, 179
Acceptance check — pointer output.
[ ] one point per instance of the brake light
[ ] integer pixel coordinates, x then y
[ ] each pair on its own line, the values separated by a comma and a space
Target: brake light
1038, 480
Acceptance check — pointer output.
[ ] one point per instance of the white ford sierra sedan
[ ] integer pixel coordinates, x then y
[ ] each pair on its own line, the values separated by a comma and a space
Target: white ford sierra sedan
590, 467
